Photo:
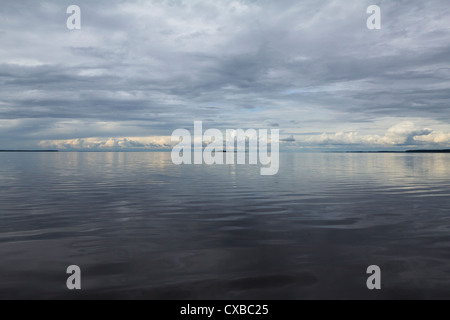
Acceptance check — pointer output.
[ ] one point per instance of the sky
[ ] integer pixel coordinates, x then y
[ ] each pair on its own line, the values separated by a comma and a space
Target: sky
138, 70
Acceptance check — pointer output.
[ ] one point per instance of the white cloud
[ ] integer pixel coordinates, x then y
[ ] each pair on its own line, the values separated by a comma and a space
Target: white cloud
404, 134
139, 143
439, 138
401, 134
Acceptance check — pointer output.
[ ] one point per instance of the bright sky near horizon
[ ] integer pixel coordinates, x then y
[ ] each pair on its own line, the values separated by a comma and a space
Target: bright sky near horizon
138, 70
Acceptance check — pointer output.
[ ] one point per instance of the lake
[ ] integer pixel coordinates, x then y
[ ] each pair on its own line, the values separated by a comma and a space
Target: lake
140, 227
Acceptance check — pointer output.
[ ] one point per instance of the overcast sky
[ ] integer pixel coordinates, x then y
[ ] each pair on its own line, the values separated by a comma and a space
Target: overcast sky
138, 70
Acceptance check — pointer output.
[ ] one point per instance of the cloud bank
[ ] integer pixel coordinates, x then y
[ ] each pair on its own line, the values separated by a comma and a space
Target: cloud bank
402, 135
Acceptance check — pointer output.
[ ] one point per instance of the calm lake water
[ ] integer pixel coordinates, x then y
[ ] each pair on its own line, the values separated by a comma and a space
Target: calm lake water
141, 227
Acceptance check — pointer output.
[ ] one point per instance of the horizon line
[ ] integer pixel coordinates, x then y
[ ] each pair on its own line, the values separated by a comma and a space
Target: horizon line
281, 151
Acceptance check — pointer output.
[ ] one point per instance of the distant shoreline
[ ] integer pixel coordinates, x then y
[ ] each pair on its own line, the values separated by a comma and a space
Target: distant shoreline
29, 150
135, 151
407, 151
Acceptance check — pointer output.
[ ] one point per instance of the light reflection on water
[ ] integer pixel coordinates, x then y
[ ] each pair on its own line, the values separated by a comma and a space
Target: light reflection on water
140, 227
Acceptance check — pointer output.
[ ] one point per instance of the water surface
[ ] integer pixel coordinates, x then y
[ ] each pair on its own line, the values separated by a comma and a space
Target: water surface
141, 227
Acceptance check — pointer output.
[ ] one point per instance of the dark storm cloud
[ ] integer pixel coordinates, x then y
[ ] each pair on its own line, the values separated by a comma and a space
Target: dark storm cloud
145, 68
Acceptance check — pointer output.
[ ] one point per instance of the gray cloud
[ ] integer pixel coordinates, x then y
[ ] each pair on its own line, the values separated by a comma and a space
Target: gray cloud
146, 68
288, 139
